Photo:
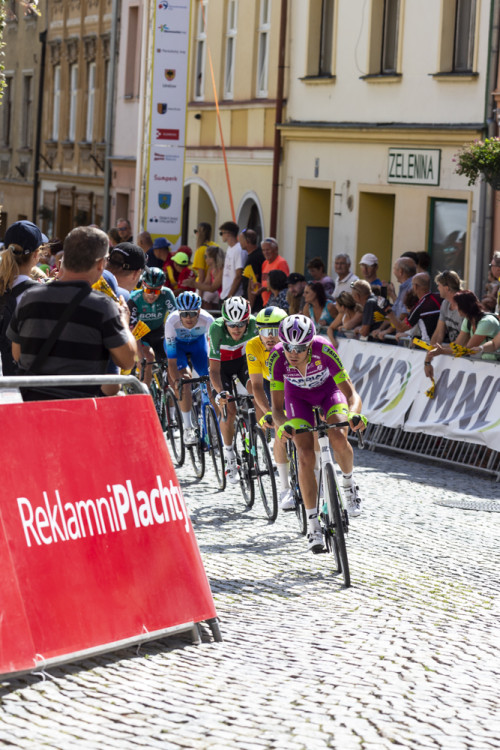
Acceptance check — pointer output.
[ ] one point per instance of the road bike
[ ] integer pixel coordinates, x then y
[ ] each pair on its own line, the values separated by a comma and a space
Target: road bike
167, 408
252, 455
208, 436
300, 510
332, 513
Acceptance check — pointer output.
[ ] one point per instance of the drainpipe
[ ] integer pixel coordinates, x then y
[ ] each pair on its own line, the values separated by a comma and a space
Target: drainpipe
36, 164
279, 115
110, 109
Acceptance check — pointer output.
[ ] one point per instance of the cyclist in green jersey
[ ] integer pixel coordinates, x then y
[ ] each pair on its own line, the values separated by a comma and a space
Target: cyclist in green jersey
151, 304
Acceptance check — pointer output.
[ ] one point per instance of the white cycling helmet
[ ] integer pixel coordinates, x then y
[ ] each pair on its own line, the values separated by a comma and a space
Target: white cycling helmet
235, 310
296, 330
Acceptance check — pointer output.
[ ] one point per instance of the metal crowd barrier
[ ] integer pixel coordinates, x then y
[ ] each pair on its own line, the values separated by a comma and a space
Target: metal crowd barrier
129, 382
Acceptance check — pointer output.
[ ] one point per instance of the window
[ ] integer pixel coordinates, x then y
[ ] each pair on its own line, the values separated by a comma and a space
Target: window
384, 52
465, 26
89, 130
73, 93
230, 49
27, 118
200, 51
56, 102
263, 53
321, 40
132, 61
7, 111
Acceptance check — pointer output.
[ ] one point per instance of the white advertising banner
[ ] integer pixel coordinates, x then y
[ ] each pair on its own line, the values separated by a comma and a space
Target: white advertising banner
386, 378
168, 119
392, 385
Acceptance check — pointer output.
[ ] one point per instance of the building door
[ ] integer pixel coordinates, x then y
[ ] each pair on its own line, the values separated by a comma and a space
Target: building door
447, 236
316, 246
313, 227
376, 230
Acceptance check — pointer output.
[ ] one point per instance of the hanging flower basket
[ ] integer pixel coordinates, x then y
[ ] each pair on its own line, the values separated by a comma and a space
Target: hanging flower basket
480, 158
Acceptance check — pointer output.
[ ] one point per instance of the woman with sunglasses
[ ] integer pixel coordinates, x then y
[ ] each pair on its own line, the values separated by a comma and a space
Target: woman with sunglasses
306, 371
228, 336
151, 304
186, 332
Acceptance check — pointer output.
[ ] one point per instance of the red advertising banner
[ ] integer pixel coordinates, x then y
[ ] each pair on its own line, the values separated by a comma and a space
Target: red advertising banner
96, 545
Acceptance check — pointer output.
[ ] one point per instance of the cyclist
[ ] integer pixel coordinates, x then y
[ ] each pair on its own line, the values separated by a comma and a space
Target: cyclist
151, 304
228, 336
257, 352
306, 371
186, 335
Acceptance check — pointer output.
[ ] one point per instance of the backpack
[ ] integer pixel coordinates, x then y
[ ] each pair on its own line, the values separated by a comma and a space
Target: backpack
8, 302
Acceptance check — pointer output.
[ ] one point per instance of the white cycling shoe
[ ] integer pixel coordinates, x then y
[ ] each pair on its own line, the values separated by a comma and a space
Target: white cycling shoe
287, 501
315, 541
232, 471
352, 501
190, 437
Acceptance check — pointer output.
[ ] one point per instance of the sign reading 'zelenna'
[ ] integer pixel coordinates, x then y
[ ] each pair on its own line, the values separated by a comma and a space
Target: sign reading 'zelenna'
168, 119
416, 166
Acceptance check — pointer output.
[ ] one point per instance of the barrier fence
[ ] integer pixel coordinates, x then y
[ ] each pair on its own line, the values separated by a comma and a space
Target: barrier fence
460, 426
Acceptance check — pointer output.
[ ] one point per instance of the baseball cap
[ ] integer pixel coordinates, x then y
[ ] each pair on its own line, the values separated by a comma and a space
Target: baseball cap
128, 256
161, 243
369, 259
294, 278
25, 234
180, 258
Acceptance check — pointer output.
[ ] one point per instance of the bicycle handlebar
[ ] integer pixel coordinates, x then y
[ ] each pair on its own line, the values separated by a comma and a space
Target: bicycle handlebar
325, 426
179, 384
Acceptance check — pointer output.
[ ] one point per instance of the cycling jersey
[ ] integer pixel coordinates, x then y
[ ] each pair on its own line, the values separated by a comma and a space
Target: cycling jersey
223, 347
153, 314
257, 358
175, 331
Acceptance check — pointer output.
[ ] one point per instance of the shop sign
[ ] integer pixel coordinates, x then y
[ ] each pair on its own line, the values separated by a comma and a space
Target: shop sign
409, 166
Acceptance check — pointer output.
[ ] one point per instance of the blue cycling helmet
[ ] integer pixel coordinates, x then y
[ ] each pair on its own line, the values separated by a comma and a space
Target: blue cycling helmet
188, 301
153, 278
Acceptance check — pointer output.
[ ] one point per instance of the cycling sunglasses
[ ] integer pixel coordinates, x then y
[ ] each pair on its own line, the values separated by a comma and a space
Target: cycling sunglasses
268, 331
296, 348
189, 314
156, 292
236, 325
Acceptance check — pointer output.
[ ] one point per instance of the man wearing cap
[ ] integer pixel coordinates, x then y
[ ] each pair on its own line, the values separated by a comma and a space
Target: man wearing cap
126, 262
180, 278
296, 285
234, 262
159, 255
273, 262
369, 268
345, 277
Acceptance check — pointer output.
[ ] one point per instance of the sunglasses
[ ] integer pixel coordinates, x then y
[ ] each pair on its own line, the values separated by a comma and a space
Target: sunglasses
189, 314
296, 348
156, 292
236, 325
268, 331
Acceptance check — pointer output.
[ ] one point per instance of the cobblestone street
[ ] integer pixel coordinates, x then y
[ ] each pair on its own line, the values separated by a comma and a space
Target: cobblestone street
408, 657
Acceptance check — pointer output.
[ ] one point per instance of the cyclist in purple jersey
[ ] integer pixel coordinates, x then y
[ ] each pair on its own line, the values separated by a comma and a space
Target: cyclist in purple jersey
306, 371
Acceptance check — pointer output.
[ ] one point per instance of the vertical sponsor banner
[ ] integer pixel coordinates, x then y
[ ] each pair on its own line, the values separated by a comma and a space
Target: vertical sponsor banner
96, 545
166, 143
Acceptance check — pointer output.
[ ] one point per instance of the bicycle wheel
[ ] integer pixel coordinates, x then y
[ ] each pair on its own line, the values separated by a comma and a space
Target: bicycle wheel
172, 427
300, 510
214, 445
196, 451
245, 463
264, 472
156, 394
335, 536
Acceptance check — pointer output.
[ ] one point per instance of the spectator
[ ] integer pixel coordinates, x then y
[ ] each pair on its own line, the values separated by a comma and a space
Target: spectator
425, 313
345, 277
145, 241
495, 272
369, 268
404, 269
296, 285
410, 254
489, 303
124, 230
273, 262
450, 320
317, 270
317, 307
180, 278
114, 237
374, 308
277, 283
349, 315
478, 327
423, 262
211, 287
96, 325
126, 262
203, 234
17, 262
234, 262
159, 254
252, 273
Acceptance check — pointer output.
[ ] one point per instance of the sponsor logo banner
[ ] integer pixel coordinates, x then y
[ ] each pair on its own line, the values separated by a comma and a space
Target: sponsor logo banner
96, 543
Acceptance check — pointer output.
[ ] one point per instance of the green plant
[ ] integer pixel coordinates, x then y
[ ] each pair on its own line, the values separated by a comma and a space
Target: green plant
479, 158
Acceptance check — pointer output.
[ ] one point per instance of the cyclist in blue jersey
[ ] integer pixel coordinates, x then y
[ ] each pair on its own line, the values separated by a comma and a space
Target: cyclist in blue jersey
306, 371
151, 304
186, 332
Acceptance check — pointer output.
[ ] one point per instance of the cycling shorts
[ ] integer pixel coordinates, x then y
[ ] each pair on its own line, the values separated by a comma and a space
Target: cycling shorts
197, 351
299, 402
232, 367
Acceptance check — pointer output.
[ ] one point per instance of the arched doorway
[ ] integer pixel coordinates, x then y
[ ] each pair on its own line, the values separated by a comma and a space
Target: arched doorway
199, 205
250, 215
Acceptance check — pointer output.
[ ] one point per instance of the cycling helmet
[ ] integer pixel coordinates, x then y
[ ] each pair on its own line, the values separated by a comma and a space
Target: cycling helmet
235, 310
153, 278
188, 301
270, 317
296, 330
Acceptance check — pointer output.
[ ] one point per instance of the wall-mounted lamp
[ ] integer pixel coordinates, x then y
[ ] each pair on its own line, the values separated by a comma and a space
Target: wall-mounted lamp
97, 162
197, 116
21, 170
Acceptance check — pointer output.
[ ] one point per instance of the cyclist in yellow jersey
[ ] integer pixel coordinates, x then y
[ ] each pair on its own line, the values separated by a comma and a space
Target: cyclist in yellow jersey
257, 353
